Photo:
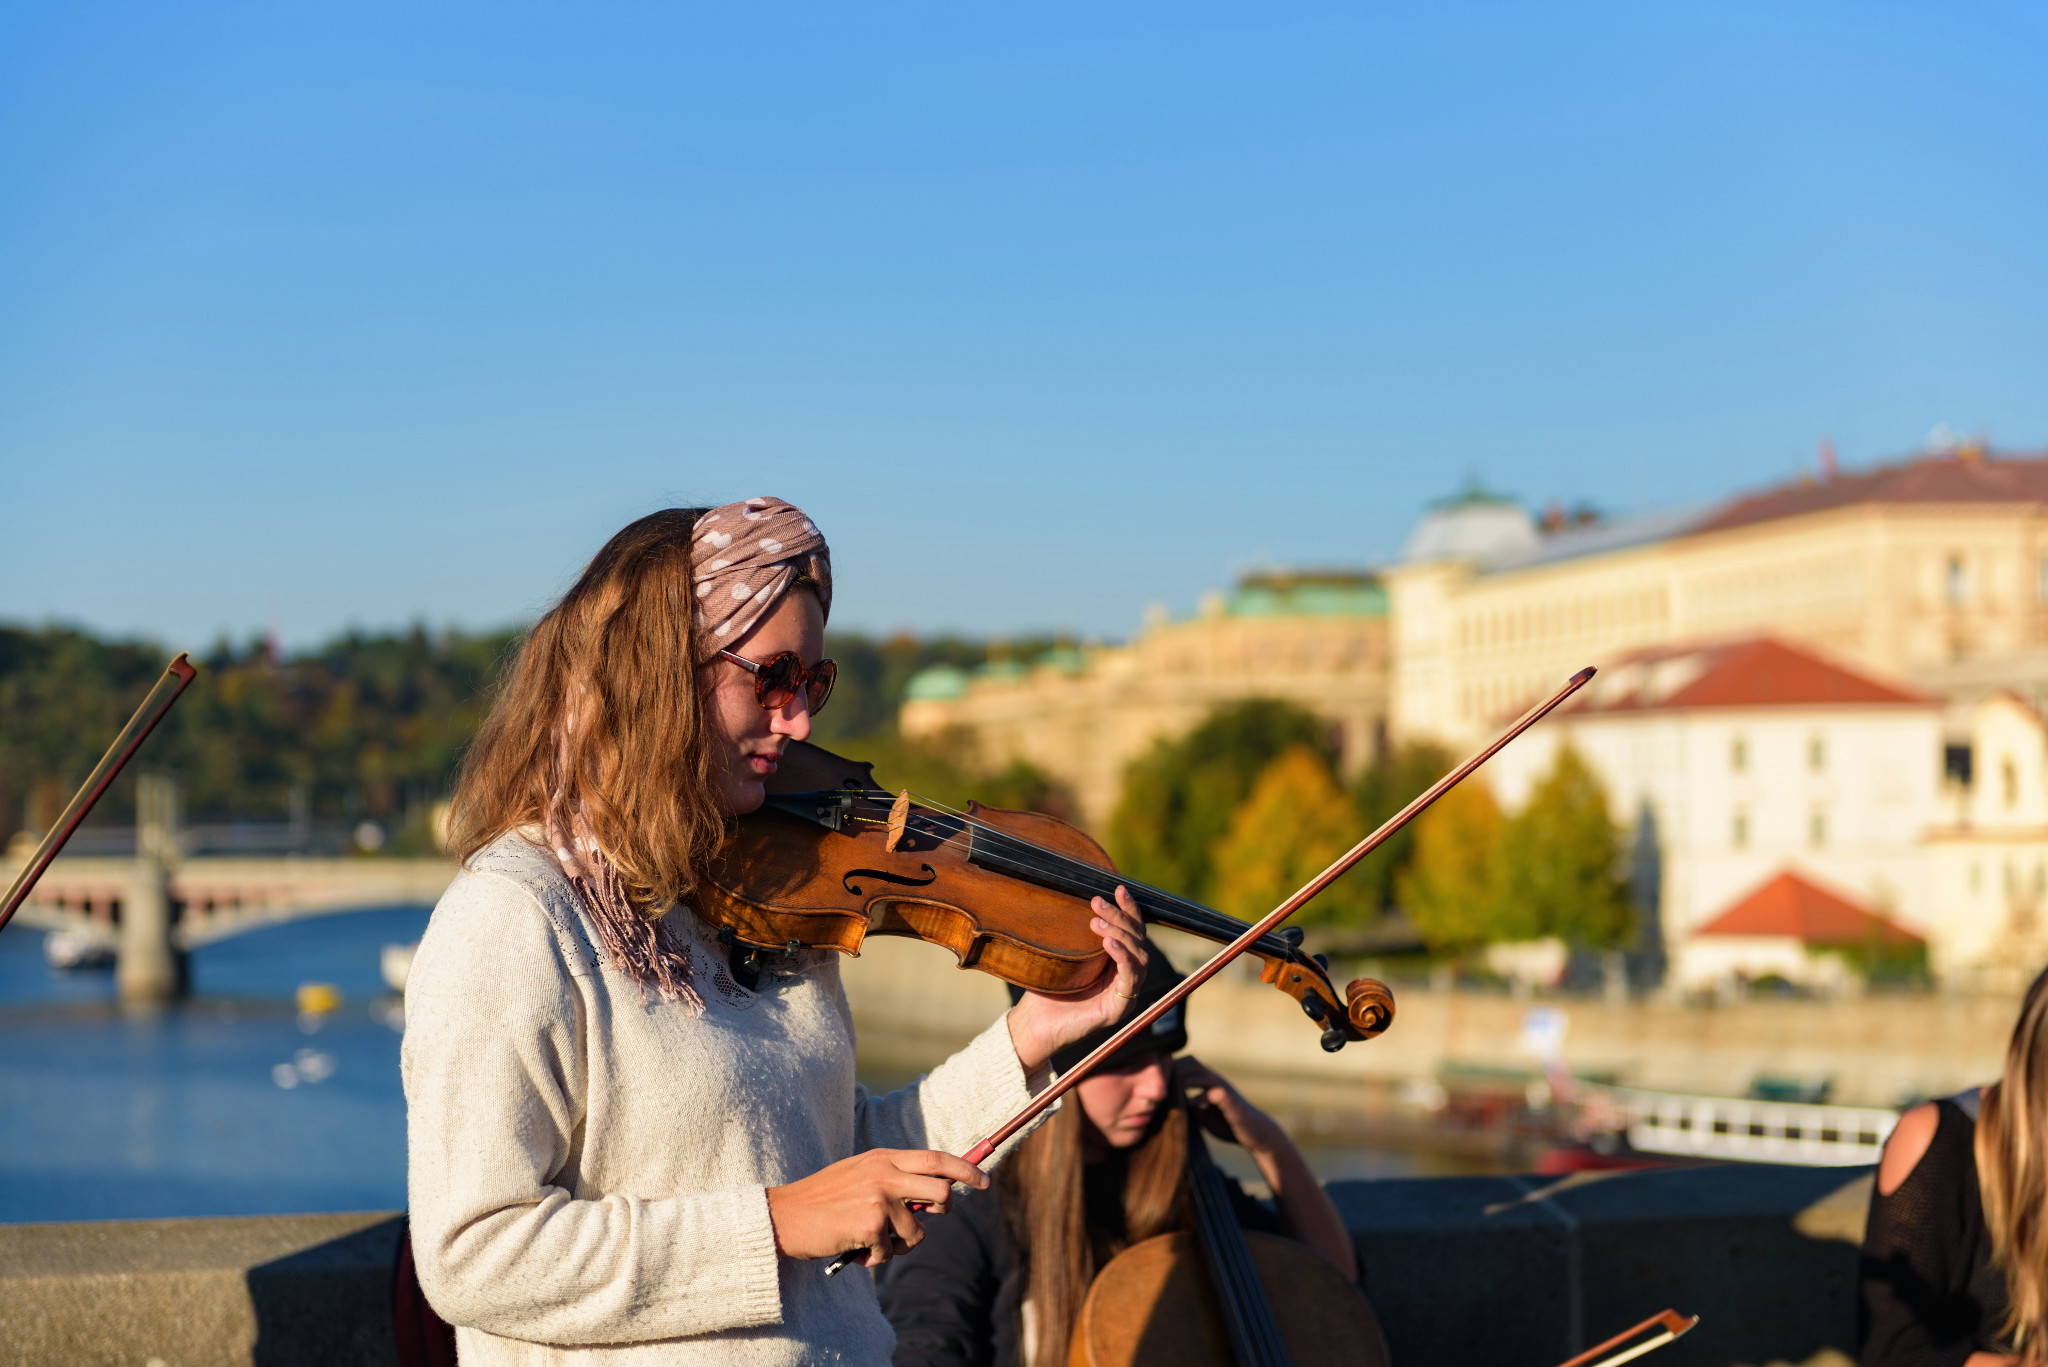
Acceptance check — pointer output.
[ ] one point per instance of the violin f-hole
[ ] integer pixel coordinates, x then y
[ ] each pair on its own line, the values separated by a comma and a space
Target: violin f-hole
930, 876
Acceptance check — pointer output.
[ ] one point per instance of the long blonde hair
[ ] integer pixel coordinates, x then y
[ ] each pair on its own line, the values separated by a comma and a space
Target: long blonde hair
2012, 1174
637, 761
1043, 1199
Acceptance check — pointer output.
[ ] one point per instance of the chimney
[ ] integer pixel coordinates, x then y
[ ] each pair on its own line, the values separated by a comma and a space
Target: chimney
1827, 460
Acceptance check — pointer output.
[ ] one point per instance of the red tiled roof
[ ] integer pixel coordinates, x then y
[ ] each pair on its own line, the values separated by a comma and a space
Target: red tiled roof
1758, 672
1789, 905
1967, 476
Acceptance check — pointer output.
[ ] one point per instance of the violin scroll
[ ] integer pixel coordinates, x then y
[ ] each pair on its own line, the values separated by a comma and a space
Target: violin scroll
1371, 1005
1367, 1009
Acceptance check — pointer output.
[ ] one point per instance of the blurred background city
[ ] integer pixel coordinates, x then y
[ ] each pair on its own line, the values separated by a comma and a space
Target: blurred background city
1222, 425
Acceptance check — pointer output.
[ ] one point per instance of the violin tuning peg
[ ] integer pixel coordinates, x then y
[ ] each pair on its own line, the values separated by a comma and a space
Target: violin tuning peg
1333, 1040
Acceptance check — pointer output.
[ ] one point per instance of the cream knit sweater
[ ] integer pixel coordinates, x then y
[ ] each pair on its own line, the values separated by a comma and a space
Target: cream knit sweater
588, 1164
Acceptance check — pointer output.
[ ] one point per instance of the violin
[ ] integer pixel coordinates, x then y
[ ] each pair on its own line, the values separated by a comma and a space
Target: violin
831, 858
1221, 1297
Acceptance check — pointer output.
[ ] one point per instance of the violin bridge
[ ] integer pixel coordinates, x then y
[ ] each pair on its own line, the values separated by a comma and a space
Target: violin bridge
899, 817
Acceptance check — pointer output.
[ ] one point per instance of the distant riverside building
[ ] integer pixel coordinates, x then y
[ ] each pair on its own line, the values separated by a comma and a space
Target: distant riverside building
1758, 760
1932, 574
1791, 928
1317, 639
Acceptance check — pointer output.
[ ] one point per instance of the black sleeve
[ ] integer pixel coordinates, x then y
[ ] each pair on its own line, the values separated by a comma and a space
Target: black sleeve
1914, 1250
941, 1296
1252, 1213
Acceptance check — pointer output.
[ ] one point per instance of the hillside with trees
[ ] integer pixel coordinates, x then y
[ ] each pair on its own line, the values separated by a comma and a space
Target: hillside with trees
372, 725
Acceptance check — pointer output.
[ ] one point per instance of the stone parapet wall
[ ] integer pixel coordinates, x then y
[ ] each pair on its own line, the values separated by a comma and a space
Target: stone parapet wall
1479, 1271
1878, 1050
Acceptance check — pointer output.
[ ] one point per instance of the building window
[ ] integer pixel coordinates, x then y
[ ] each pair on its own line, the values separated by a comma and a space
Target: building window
1738, 830
1817, 828
1738, 754
1958, 581
2041, 580
1976, 878
1817, 752
2009, 773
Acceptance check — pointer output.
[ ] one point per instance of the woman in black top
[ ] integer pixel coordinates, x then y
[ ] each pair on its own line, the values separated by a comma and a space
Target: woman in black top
1932, 1296
1955, 1259
998, 1282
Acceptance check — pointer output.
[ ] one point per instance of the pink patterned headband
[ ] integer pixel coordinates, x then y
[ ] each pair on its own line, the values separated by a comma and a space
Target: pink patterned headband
744, 557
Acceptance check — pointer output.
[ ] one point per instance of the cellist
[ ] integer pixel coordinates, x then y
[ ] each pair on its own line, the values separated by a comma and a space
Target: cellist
999, 1282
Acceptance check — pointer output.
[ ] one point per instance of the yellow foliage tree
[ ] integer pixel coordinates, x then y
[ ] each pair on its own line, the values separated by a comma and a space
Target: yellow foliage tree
1451, 890
1290, 827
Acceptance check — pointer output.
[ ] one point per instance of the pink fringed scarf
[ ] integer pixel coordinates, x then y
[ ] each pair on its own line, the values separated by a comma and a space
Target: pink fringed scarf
645, 950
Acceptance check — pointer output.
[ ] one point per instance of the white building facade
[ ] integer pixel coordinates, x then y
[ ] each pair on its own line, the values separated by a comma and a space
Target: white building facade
1753, 758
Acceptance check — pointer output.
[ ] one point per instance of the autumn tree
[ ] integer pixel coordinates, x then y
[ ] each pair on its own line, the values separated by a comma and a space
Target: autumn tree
1292, 826
1451, 889
1560, 860
1393, 780
1178, 799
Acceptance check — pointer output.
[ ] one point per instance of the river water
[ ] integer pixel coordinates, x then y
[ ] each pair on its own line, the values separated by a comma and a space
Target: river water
233, 1103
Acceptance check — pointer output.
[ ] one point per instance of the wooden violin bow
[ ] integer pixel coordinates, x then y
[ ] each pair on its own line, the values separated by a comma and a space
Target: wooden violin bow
1072, 1078
1670, 1322
176, 676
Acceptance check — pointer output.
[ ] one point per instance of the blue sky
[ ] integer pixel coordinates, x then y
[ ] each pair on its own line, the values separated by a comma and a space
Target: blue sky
315, 316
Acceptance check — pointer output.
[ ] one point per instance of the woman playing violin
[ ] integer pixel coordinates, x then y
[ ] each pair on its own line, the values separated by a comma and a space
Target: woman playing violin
619, 1145
1000, 1282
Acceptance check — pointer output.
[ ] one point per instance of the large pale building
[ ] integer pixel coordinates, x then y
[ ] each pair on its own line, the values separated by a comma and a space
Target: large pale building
1083, 715
1755, 760
1932, 574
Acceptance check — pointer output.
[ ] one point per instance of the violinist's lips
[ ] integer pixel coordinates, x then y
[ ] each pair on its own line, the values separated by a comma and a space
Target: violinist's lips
764, 764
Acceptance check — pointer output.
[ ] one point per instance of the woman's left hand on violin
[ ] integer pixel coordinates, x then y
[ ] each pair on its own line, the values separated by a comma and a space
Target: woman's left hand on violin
1040, 1024
1223, 1112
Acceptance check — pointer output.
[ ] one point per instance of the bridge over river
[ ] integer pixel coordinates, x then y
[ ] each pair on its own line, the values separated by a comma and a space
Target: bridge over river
150, 910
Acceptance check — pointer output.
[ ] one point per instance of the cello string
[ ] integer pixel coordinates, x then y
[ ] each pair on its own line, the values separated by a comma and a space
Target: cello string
1230, 1255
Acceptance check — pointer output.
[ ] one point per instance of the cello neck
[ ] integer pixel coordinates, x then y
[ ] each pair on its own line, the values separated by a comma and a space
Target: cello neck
1248, 1316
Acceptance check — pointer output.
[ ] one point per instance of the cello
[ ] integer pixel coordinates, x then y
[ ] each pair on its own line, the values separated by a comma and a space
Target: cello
1221, 1297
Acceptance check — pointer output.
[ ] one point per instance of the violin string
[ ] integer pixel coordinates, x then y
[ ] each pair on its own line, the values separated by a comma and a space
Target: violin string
1091, 879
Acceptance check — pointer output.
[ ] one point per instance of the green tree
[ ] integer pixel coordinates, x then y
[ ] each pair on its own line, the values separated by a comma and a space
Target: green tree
1561, 865
1451, 889
1292, 826
1178, 799
1393, 780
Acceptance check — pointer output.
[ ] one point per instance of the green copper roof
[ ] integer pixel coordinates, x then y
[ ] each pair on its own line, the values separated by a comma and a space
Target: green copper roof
940, 683
1308, 595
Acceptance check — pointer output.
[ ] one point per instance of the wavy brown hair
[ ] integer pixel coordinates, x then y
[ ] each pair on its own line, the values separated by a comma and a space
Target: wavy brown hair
1060, 1251
2012, 1174
636, 758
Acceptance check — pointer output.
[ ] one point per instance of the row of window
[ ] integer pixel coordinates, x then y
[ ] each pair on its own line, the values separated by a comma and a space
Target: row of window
1816, 753
1956, 581
1816, 828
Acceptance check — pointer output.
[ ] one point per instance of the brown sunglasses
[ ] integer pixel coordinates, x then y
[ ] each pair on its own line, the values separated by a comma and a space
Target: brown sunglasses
777, 679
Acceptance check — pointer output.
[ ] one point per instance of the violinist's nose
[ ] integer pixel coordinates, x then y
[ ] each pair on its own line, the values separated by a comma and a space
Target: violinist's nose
793, 718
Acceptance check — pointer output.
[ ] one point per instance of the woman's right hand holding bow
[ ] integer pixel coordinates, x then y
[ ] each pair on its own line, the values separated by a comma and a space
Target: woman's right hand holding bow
863, 1202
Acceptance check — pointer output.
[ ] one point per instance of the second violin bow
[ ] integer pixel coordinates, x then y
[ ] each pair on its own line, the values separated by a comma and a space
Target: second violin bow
1072, 1078
176, 676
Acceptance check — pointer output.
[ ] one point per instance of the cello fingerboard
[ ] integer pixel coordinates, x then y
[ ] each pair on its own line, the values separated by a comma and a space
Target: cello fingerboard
1254, 1333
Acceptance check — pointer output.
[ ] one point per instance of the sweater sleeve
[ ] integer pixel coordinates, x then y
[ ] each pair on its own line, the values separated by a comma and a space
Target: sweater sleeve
495, 1084
955, 1105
